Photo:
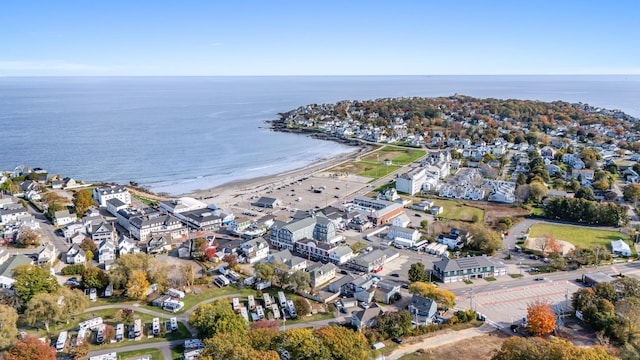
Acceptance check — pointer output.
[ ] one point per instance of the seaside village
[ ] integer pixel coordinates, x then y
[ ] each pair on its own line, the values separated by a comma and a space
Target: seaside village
324, 239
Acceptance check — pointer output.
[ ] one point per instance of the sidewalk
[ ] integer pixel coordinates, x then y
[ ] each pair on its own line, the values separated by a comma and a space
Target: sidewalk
440, 340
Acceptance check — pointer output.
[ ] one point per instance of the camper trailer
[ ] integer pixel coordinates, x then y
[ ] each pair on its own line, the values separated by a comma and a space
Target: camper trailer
120, 332
62, 341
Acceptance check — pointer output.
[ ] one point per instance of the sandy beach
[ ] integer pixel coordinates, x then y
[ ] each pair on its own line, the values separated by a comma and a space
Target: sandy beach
238, 194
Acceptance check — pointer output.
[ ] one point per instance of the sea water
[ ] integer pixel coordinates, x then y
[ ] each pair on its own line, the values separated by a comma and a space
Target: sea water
179, 134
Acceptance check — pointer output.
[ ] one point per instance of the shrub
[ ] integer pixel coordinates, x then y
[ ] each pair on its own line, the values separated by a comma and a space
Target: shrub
76, 269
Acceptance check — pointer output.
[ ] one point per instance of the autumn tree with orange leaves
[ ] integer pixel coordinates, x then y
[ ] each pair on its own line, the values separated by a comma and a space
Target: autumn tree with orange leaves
541, 320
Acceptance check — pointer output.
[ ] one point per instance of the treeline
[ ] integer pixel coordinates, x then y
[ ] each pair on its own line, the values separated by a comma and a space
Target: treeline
585, 211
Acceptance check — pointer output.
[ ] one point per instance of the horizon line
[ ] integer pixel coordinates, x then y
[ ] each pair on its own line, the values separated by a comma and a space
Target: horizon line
299, 75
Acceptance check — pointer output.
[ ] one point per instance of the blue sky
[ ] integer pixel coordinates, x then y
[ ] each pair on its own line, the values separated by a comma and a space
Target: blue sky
318, 37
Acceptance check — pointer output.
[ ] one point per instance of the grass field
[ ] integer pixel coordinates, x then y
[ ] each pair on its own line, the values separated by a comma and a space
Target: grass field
577, 235
371, 165
154, 353
458, 211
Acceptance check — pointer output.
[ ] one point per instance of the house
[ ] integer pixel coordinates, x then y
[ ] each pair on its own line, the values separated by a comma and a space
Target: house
403, 236
202, 219
456, 238
63, 217
6, 269
144, 226
436, 210
401, 220
293, 262
127, 246
266, 202
365, 296
314, 250
101, 232
366, 318
423, 309
385, 292
106, 252
47, 254
322, 274
255, 250
310, 226
114, 205
68, 183
56, 184
585, 176
75, 255
11, 213
473, 267
158, 243
340, 284
102, 194
341, 255
621, 248
373, 260
379, 211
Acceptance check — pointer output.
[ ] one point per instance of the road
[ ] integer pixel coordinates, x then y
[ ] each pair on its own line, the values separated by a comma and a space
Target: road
48, 230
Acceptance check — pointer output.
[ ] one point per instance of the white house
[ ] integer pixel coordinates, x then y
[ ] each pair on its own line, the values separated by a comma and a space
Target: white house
127, 246
102, 194
75, 255
255, 250
403, 236
341, 255
401, 220
106, 252
63, 217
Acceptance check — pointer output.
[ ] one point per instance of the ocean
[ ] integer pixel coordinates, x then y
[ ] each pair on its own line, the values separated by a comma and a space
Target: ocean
179, 134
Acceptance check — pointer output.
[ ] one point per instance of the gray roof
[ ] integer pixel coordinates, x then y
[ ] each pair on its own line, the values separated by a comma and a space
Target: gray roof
300, 224
61, 214
367, 259
368, 314
116, 202
343, 250
6, 269
111, 189
472, 262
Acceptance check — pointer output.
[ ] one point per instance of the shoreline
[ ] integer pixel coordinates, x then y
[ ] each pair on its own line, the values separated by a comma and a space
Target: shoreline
223, 196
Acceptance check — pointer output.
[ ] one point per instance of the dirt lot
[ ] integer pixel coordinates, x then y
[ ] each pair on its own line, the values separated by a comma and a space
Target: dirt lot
478, 348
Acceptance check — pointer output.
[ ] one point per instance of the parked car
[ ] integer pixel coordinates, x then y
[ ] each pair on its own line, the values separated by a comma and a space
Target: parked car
539, 279
397, 340
395, 275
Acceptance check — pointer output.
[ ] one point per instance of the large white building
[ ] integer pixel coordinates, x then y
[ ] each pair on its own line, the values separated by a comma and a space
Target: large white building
411, 182
102, 194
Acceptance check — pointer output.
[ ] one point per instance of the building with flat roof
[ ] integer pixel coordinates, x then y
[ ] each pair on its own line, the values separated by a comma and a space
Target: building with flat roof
472, 267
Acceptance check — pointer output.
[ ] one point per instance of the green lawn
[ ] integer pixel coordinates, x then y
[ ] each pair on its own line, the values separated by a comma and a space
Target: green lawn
155, 354
375, 170
458, 211
205, 293
577, 235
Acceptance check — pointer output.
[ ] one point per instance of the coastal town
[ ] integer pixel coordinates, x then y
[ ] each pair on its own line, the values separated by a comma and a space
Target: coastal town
454, 218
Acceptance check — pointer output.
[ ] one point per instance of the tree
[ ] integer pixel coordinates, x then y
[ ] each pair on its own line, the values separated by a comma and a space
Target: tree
264, 271
627, 287
43, 308
300, 281
138, 285
188, 272
89, 255
127, 316
483, 239
231, 260
601, 185
541, 320
82, 200
109, 333
606, 291
627, 328
28, 237
303, 308
31, 348
124, 267
631, 192
88, 245
444, 298
343, 343
32, 280
262, 334
302, 344
281, 271
157, 274
79, 351
537, 191
73, 301
517, 348
585, 193
217, 317
9, 329
394, 323
417, 272
94, 277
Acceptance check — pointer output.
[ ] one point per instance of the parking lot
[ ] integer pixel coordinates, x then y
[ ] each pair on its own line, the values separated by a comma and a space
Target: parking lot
509, 305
